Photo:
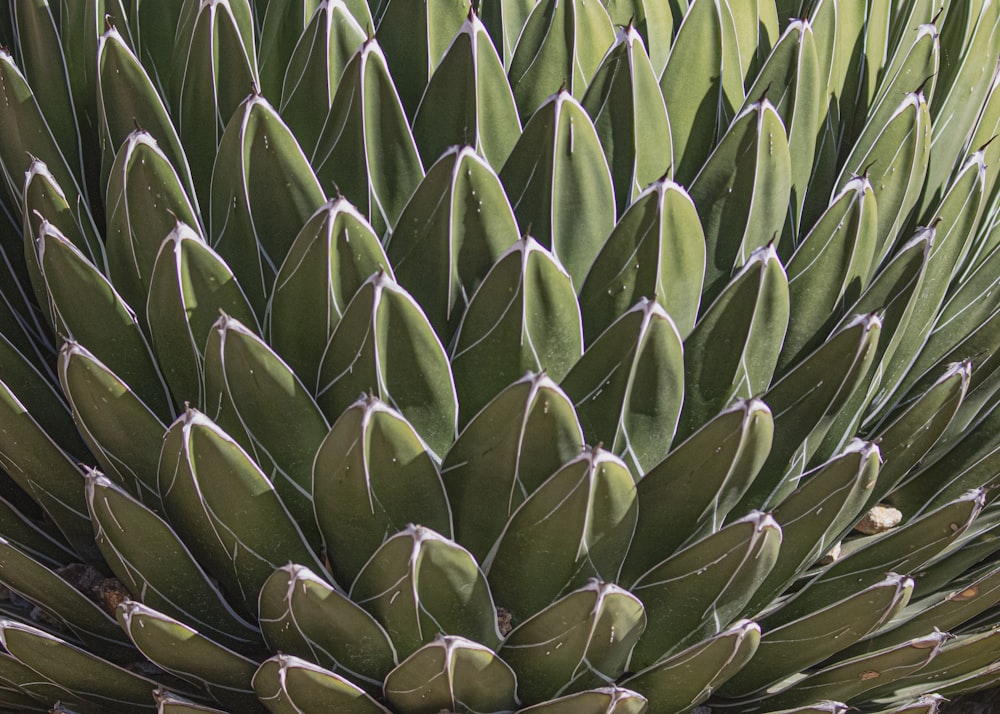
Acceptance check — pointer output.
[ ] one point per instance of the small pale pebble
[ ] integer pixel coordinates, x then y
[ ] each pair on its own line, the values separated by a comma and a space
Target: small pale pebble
878, 520
831, 556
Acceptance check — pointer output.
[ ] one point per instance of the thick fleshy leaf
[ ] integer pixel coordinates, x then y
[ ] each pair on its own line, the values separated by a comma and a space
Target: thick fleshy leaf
302, 615
733, 349
101, 404
826, 503
806, 399
154, 25
156, 567
333, 255
584, 514
453, 674
61, 601
829, 269
654, 22
470, 76
282, 422
793, 647
851, 679
217, 498
560, 183
697, 592
366, 127
371, 476
523, 317
416, 34
457, 224
686, 679
657, 248
146, 200
420, 585
315, 66
127, 98
185, 652
289, 685
263, 192
902, 550
606, 700
690, 492
384, 344
39, 465
582, 640
702, 83
189, 286
625, 103
215, 68
893, 154
90, 311
506, 452
742, 192
561, 45
87, 676
792, 75
628, 386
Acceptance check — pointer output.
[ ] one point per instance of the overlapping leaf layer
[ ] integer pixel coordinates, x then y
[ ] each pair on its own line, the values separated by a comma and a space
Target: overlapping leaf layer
548, 356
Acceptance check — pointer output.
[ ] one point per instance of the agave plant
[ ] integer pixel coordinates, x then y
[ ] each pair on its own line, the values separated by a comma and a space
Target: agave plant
558, 356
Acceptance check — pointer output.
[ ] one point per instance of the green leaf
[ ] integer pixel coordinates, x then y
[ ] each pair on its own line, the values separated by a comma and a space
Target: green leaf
416, 34
628, 386
301, 614
854, 678
283, 425
523, 317
584, 514
215, 68
742, 192
90, 311
86, 676
333, 255
154, 24
697, 592
419, 585
657, 248
505, 19
189, 286
903, 549
61, 601
452, 674
829, 269
315, 66
404, 366
733, 349
101, 404
654, 22
289, 685
457, 224
625, 102
560, 45
791, 648
127, 98
560, 183
146, 200
217, 498
691, 491
156, 567
366, 127
702, 84
806, 399
606, 700
371, 476
826, 503
470, 76
263, 192
582, 640
183, 651
504, 454
686, 679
